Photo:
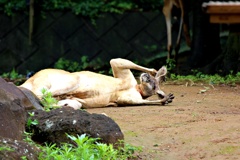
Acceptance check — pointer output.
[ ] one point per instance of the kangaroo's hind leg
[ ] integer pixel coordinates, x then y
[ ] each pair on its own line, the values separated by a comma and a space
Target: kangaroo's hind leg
121, 68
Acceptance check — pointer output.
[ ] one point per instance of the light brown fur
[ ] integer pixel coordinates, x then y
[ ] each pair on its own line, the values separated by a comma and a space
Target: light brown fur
90, 90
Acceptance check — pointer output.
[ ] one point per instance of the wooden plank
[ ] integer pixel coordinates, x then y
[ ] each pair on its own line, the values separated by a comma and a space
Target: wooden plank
225, 18
231, 9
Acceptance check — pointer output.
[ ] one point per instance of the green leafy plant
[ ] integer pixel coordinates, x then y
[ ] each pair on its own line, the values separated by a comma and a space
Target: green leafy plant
86, 148
48, 101
96, 65
72, 66
13, 76
171, 64
24, 158
30, 121
5, 148
128, 151
27, 137
14, 5
29, 132
89, 8
151, 48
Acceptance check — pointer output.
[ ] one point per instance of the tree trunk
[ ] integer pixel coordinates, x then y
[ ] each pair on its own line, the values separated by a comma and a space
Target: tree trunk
231, 61
206, 41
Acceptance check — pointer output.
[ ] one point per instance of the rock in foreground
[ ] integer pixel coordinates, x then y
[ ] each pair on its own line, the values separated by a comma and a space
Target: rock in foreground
17, 150
13, 104
54, 125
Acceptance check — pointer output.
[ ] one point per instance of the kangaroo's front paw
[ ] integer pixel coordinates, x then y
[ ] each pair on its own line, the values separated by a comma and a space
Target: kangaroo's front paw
153, 72
168, 99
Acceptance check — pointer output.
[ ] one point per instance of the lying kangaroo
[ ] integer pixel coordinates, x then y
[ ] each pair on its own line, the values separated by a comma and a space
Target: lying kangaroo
90, 90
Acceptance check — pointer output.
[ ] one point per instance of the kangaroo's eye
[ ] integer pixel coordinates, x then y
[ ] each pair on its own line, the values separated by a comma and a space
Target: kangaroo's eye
146, 78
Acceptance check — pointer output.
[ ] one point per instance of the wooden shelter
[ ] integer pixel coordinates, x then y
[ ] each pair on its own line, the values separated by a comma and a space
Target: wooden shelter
223, 12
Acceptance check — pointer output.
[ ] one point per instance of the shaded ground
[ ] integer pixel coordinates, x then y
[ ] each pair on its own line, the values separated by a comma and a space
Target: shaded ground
195, 126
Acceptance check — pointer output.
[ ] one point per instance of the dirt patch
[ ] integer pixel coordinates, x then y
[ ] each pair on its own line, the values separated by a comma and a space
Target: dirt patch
200, 124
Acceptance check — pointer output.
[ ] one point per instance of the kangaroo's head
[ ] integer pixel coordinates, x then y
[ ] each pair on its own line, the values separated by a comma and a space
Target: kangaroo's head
150, 85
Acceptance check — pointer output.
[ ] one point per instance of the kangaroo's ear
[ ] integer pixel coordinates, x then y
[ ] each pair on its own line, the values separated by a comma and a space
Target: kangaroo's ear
161, 72
160, 76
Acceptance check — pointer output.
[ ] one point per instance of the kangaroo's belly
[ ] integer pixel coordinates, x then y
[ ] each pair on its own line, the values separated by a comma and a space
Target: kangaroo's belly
95, 85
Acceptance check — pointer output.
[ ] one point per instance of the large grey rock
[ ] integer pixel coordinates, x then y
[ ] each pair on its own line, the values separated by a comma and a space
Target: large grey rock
14, 104
13, 107
54, 125
12, 111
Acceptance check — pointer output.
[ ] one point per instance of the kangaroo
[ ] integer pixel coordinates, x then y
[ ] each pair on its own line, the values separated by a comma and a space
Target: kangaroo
167, 9
87, 89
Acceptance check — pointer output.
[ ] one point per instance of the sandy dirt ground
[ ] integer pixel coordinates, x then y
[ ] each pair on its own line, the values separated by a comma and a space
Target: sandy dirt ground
203, 122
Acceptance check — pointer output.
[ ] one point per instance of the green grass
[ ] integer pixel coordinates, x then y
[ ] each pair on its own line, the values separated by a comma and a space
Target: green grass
229, 149
86, 149
131, 133
230, 79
